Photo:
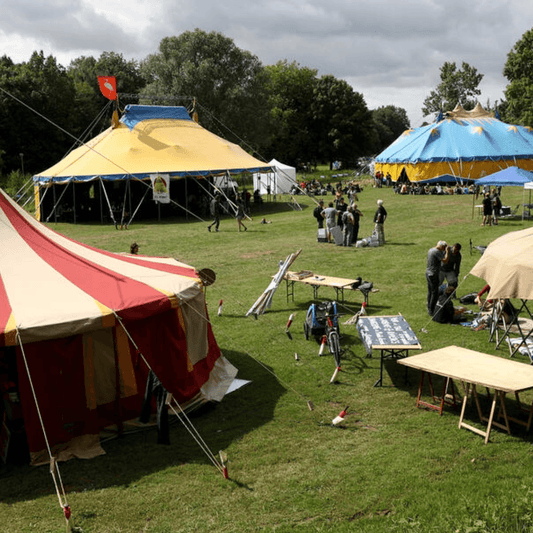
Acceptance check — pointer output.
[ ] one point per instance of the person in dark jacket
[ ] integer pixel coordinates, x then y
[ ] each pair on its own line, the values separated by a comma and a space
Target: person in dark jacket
445, 311
317, 213
450, 271
487, 210
356, 217
215, 213
437, 255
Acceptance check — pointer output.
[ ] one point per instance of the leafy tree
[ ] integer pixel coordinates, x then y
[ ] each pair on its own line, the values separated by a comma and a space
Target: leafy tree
89, 99
342, 122
227, 82
519, 71
458, 86
36, 105
390, 122
291, 92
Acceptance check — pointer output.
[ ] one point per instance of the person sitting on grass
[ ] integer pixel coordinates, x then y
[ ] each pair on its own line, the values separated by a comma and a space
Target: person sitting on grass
445, 311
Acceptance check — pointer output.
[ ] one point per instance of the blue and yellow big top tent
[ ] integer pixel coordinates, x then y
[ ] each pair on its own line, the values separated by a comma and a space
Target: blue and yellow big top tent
463, 144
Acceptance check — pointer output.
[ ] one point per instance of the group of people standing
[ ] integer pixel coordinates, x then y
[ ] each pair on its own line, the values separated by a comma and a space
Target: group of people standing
492, 206
340, 214
216, 208
347, 219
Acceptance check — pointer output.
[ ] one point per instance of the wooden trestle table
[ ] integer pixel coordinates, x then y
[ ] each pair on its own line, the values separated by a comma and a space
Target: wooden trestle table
475, 369
317, 281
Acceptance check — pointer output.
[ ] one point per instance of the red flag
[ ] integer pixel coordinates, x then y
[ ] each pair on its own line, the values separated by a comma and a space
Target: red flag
108, 86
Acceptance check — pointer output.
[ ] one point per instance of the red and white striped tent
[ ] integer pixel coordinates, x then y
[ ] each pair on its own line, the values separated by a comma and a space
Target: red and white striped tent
83, 326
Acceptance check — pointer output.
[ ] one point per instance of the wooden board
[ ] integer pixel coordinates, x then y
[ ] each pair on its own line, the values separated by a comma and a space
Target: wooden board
474, 367
322, 281
388, 332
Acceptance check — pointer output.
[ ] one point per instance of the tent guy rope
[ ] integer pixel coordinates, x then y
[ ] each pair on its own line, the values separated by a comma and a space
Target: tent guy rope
185, 420
54, 467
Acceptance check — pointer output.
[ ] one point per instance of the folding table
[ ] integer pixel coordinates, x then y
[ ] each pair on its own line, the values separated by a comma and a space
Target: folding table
390, 334
475, 369
316, 281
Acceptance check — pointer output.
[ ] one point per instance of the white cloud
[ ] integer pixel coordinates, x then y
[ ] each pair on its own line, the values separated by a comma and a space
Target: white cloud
389, 51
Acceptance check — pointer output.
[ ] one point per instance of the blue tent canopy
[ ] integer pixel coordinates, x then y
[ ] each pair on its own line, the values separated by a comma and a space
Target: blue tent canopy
448, 178
466, 144
508, 176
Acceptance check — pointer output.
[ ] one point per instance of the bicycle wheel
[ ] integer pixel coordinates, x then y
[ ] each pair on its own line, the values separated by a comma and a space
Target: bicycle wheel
306, 331
334, 346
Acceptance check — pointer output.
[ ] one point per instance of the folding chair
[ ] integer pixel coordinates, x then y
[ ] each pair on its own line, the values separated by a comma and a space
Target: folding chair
499, 316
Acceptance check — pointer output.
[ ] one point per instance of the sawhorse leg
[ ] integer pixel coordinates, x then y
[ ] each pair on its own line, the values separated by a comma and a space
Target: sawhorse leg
315, 291
339, 291
498, 395
441, 400
290, 289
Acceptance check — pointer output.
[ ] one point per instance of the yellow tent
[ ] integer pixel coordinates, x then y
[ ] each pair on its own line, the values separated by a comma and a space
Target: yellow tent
151, 140
147, 142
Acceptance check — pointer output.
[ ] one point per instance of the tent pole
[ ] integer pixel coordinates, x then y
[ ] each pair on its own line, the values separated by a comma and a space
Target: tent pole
123, 216
74, 201
186, 200
56, 203
108, 203
137, 208
54, 196
101, 204
129, 202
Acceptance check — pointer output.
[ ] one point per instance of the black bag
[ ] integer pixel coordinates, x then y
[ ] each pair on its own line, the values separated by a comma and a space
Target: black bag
468, 299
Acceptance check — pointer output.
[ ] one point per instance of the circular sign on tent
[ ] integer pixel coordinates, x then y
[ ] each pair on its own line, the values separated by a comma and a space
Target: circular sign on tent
207, 276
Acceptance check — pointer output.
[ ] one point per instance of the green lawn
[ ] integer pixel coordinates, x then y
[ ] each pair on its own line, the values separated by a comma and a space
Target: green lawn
389, 467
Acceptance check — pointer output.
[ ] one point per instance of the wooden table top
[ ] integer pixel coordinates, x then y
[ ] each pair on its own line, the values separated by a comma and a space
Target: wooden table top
474, 367
317, 279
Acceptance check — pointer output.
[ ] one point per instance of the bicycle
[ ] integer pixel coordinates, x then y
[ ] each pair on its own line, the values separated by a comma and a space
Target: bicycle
322, 323
333, 340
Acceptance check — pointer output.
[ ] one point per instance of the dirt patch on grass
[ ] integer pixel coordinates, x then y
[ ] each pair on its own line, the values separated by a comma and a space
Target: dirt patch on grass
252, 255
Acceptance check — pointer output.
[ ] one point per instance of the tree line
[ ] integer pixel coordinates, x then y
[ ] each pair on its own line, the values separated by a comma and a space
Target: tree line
283, 110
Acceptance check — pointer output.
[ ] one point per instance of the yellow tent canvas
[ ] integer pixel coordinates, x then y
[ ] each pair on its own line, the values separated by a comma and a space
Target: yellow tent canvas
152, 140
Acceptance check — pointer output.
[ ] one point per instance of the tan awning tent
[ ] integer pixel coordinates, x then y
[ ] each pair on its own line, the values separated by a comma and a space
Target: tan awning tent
507, 266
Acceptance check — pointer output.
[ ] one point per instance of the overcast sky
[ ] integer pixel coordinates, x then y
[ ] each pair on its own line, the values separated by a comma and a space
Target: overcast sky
390, 51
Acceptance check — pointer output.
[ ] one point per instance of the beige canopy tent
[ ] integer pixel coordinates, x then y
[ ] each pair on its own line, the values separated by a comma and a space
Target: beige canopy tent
507, 266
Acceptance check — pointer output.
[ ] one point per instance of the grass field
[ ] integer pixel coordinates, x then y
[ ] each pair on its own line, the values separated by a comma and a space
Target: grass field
388, 467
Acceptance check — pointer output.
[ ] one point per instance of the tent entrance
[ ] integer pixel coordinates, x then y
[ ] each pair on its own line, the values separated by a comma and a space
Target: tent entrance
118, 201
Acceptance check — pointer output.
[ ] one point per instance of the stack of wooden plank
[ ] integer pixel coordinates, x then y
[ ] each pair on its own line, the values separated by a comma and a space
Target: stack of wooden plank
265, 300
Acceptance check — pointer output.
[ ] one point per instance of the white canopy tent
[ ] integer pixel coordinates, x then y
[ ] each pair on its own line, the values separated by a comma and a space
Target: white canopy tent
278, 182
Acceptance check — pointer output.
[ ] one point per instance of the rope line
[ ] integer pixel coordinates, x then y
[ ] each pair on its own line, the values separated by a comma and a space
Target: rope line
54, 468
423, 328
263, 365
184, 418
186, 421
